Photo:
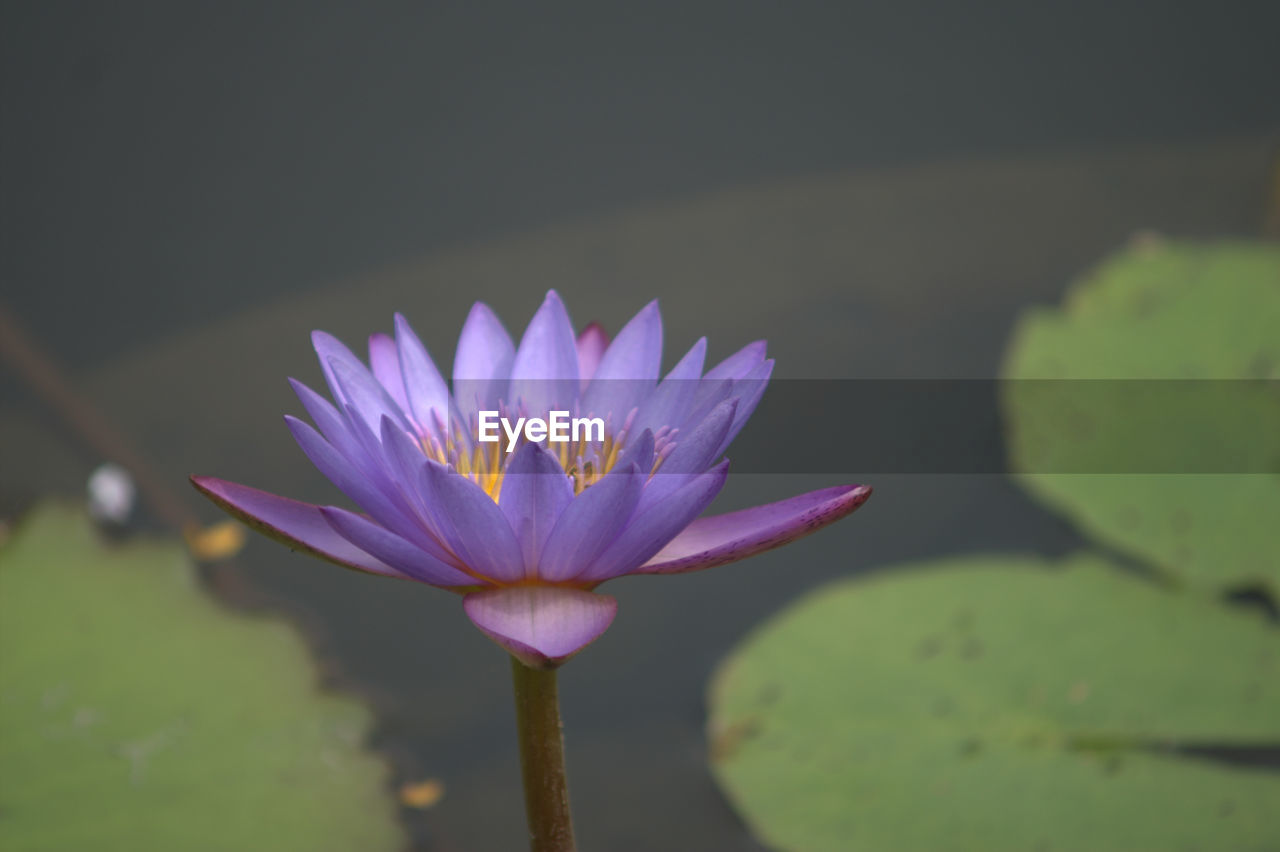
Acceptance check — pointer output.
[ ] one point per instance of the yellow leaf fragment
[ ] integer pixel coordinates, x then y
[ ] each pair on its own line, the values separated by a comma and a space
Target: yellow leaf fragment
422, 794
218, 541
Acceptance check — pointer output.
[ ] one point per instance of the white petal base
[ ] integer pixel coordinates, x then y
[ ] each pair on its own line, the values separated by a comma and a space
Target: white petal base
542, 626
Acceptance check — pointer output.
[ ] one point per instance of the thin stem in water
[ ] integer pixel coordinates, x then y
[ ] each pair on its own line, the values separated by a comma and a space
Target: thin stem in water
546, 787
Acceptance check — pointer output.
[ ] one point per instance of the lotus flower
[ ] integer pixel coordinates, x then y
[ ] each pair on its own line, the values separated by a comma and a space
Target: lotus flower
527, 536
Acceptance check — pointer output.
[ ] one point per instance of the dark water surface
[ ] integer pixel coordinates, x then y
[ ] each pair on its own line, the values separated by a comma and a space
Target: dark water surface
878, 193
164, 162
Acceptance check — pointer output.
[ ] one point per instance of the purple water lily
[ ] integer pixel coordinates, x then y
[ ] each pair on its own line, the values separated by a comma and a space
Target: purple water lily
526, 536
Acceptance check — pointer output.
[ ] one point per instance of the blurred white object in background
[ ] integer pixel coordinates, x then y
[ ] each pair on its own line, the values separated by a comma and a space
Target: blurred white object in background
112, 494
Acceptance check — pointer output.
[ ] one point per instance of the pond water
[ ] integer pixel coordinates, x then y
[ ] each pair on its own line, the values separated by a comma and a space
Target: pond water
188, 199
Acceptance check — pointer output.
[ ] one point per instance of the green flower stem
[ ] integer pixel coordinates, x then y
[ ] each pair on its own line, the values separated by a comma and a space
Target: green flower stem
546, 787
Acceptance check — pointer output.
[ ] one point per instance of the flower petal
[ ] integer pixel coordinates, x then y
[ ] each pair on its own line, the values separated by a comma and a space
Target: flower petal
358, 481
384, 361
358, 389
330, 349
291, 522
694, 452
718, 383
424, 386
544, 374
472, 524
740, 363
671, 402
722, 539
541, 625
407, 558
535, 491
391, 487
592, 342
636, 351
405, 460
482, 363
629, 367
649, 531
335, 428
748, 391
589, 523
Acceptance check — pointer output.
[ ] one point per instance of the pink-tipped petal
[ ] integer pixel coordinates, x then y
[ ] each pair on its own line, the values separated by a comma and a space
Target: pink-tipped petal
592, 342
721, 539
541, 625
291, 522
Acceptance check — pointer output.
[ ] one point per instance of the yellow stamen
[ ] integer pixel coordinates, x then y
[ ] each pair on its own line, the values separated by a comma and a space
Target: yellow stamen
584, 462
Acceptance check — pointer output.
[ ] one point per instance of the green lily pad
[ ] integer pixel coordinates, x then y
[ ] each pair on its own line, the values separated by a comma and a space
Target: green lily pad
1000, 703
1183, 474
137, 713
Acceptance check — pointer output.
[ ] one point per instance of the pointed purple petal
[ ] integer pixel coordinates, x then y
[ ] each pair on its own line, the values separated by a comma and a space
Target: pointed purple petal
740, 363
629, 368
389, 485
482, 362
535, 491
473, 525
335, 428
544, 374
356, 481
589, 523
722, 539
369, 482
424, 386
405, 460
591, 345
748, 390
291, 522
358, 389
690, 365
384, 361
650, 531
710, 393
671, 402
329, 350
410, 560
541, 625
636, 351
694, 452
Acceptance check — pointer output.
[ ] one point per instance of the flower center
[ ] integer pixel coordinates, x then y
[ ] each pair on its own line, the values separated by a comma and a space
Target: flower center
583, 461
